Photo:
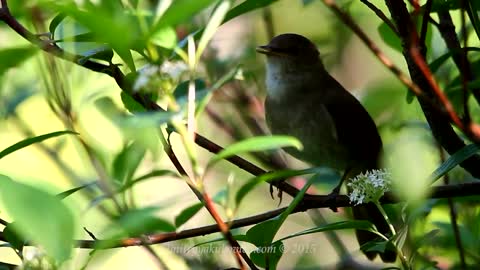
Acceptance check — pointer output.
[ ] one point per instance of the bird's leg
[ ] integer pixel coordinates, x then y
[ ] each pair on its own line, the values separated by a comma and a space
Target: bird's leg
332, 197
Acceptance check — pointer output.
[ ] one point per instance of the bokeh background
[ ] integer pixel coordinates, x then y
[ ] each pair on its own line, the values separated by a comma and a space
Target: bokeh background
60, 164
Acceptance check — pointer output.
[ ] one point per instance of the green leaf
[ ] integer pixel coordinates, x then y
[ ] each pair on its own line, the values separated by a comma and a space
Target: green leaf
127, 161
426, 238
212, 26
246, 6
56, 22
39, 217
263, 233
260, 235
13, 57
269, 256
180, 11
437, 63
131, 104
384, 98
13, 238
165, 37
378, 246
149, 119
390, 37
100, 53
473, 8
341, 225
154, 173
187, 214
446, 5
33, 140
259, 143
126, 56
109, 24
141, 221
69, 192
454, 160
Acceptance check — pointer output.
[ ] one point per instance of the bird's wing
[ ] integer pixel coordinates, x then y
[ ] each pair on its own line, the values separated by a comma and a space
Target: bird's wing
356, 130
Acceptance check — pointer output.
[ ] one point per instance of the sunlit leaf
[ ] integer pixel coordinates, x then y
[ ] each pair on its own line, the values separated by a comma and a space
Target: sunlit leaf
164, 37
69, 192
33, 140
39, 217
260, 143
127, 161
140, 221
212, 25
179, 11
472, 8
13, 57
453, 161
187, 214
154, 173
246, 6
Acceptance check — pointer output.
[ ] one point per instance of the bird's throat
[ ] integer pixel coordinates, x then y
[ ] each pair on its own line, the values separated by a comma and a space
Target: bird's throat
284, 81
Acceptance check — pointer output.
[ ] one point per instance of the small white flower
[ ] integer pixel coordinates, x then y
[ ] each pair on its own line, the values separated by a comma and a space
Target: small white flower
154, 77
174, 69
369, 186
145, 76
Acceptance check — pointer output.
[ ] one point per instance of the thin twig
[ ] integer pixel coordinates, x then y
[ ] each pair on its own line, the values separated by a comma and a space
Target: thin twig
464, 63
160, 263
453, 216
381, 15
347, 20
425, 20
238, 251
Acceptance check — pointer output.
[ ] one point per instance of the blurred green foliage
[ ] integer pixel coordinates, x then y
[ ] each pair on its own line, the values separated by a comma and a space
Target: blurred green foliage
184, 54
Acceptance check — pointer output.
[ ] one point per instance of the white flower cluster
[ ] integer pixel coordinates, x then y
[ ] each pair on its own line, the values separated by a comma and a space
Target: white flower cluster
369, 186
151, 75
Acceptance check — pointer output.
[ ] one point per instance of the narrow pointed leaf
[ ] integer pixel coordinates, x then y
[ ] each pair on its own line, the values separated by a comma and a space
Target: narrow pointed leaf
260, 143
30, 141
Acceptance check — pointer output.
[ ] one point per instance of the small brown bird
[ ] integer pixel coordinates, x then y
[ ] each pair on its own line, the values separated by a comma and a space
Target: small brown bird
304, 101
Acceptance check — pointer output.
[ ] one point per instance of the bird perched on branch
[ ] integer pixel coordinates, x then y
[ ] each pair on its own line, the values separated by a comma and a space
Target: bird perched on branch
306, 102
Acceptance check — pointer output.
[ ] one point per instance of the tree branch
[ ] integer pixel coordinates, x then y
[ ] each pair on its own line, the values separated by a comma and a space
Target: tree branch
439, 123
309, 202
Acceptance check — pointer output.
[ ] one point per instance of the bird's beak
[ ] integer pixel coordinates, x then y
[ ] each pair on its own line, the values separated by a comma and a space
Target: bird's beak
264, 49
267, 50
